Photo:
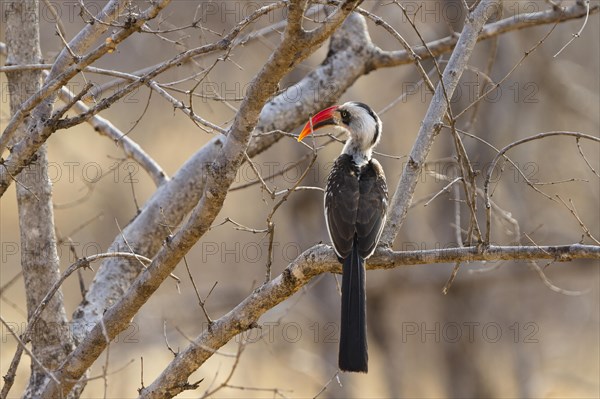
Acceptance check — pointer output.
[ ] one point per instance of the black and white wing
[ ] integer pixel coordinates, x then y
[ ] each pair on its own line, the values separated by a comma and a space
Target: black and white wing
372, 207
341, 204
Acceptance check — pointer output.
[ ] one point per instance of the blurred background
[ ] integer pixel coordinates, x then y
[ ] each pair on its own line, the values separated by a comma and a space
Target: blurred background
501, 331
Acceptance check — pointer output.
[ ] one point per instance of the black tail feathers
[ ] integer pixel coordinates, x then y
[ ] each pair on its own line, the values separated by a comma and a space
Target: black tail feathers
353, 354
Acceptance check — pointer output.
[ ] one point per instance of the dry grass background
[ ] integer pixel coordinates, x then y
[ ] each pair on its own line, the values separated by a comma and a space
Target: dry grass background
548, 343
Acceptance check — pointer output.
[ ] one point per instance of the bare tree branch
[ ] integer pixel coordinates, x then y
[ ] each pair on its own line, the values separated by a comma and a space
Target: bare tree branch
172, 201
432, 123
22, 151
79, 44
23, 346
321, 259
520, 21
294, 48
130, 147
578, 34
486, 184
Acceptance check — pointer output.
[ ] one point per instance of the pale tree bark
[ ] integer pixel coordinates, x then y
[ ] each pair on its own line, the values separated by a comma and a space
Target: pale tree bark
50, 338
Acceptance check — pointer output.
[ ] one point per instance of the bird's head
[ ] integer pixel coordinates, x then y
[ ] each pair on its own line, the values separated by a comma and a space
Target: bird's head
358, 120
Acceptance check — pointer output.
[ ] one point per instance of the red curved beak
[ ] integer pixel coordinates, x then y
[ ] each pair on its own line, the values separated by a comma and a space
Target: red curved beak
322, 118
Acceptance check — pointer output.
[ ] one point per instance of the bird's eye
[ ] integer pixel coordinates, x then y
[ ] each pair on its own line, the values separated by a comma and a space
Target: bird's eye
345, 116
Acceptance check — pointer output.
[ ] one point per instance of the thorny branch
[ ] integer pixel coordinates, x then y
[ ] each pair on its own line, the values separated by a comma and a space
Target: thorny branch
80, 263
130, 147
578, 34
488, 177
432, 121
576, 216
23, 347
57, 82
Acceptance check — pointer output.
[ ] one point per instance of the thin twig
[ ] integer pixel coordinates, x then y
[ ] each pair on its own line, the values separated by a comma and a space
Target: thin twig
510, 72
135, 201
10, 282
271, 225
201, 302
576, 215
141, 259
549, 283
336, 377
167, 343
258, 175
578, 34
451, 278
272, 176
142, 374
239, 226
225, 383
443, 190
585, 158
501, 153
131, 148
116, 371
31, 355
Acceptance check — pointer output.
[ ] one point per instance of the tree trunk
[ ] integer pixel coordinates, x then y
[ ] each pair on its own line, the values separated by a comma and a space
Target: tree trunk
50, 338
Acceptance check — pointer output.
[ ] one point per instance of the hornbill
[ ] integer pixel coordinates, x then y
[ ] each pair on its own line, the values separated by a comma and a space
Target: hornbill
356, 201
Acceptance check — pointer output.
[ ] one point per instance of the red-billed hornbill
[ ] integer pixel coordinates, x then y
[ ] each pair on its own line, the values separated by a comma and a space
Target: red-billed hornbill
355, 210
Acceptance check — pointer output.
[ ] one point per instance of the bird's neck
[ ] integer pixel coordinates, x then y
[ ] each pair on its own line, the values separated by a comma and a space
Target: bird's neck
360, 153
